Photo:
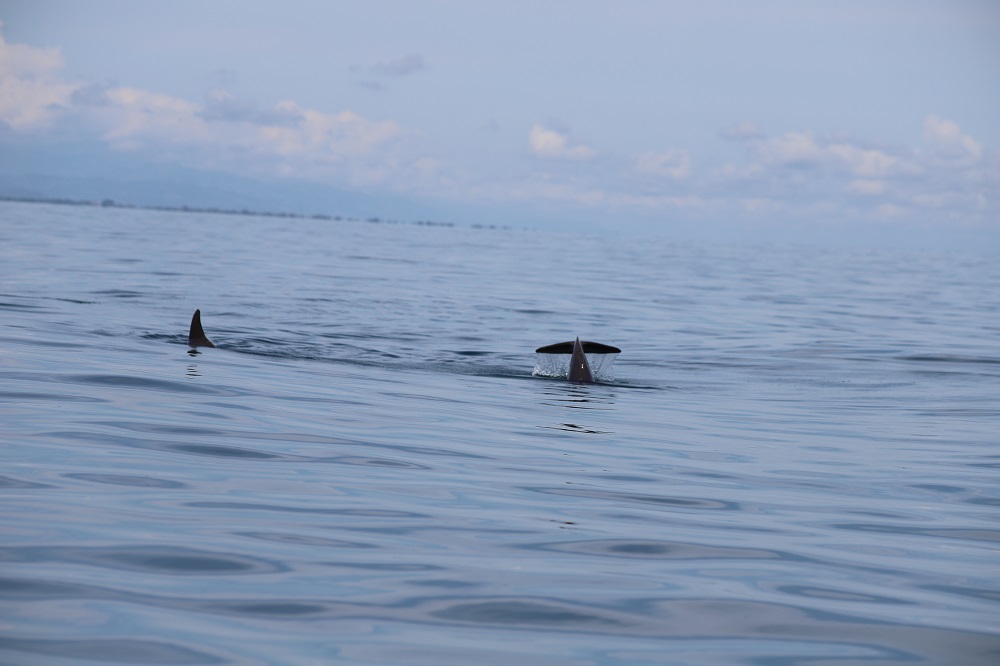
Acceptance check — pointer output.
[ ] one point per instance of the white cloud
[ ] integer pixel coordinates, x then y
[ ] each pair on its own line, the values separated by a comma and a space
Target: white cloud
866, 187
792, 148
543, 190
550, 144
802, 149
949, 177
890, 211
729, 172
796, 174
948, 144
661, 202
137, 118
27, 61
757, 205
30, 92
743, 131
674, 164
224, 132
869, 162
293, 140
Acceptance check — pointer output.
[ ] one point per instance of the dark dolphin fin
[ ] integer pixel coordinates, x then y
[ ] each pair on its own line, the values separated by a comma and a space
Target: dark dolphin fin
197, 337
579, 369
588, 347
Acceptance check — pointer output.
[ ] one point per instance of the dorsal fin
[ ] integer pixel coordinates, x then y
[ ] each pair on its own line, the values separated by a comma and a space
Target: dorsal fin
196, 336
579, 368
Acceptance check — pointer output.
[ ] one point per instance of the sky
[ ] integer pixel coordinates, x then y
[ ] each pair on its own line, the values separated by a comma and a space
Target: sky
874, 120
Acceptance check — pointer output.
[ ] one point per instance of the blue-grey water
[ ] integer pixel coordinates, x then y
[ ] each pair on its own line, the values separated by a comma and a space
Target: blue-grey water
797, 461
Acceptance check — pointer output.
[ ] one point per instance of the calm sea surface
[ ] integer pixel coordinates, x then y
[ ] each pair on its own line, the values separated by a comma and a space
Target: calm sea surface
798, 460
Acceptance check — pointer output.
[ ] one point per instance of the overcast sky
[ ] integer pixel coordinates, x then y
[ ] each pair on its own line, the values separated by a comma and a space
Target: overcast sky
875, 117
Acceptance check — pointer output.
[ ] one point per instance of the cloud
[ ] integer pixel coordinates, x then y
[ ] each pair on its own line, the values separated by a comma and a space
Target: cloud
31, 94
91, 94
404, 66
742, 131
328, 137
870, 162
389, 69
756, 205
550, 144
945, 174
802, 149
223, 106
136, 118
798, 178
224, 132
866, 187
27, 61
950, 173
675, 164
287, 138
790, 149
948, 144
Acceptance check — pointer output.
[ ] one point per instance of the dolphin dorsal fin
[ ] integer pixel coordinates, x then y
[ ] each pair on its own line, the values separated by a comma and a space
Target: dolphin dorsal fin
196, 336
579, 368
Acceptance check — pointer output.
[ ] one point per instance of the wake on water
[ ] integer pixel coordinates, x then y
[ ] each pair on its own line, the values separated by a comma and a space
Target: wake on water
546, 365
550, 361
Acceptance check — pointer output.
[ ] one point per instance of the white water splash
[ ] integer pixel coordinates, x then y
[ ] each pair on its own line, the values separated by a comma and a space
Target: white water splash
602, 366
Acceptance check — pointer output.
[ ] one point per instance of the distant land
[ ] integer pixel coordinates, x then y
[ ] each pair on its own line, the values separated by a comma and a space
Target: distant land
111, 203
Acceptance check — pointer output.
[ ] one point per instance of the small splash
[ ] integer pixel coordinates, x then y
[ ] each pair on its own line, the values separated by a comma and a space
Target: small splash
602, 366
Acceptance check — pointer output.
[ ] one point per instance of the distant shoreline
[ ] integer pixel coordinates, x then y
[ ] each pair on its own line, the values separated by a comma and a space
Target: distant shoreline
111, 203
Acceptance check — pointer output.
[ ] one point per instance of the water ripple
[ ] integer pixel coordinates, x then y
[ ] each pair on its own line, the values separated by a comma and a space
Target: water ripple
112, 651
151, 559
132, 382
126, 480
646, 549
366, 513
675, 502
796, 464
7, 482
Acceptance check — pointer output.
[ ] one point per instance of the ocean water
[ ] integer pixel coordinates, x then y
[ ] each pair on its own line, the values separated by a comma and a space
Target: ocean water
796, 462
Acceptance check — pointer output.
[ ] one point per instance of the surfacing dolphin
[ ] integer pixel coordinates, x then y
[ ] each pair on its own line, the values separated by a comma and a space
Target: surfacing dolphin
196, 336
579, 368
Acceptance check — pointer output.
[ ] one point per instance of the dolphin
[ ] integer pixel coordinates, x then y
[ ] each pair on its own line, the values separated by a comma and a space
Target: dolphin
579, 368
197, 337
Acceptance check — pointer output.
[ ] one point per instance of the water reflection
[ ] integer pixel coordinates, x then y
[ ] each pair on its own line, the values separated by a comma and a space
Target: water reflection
573, 427
577, 397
